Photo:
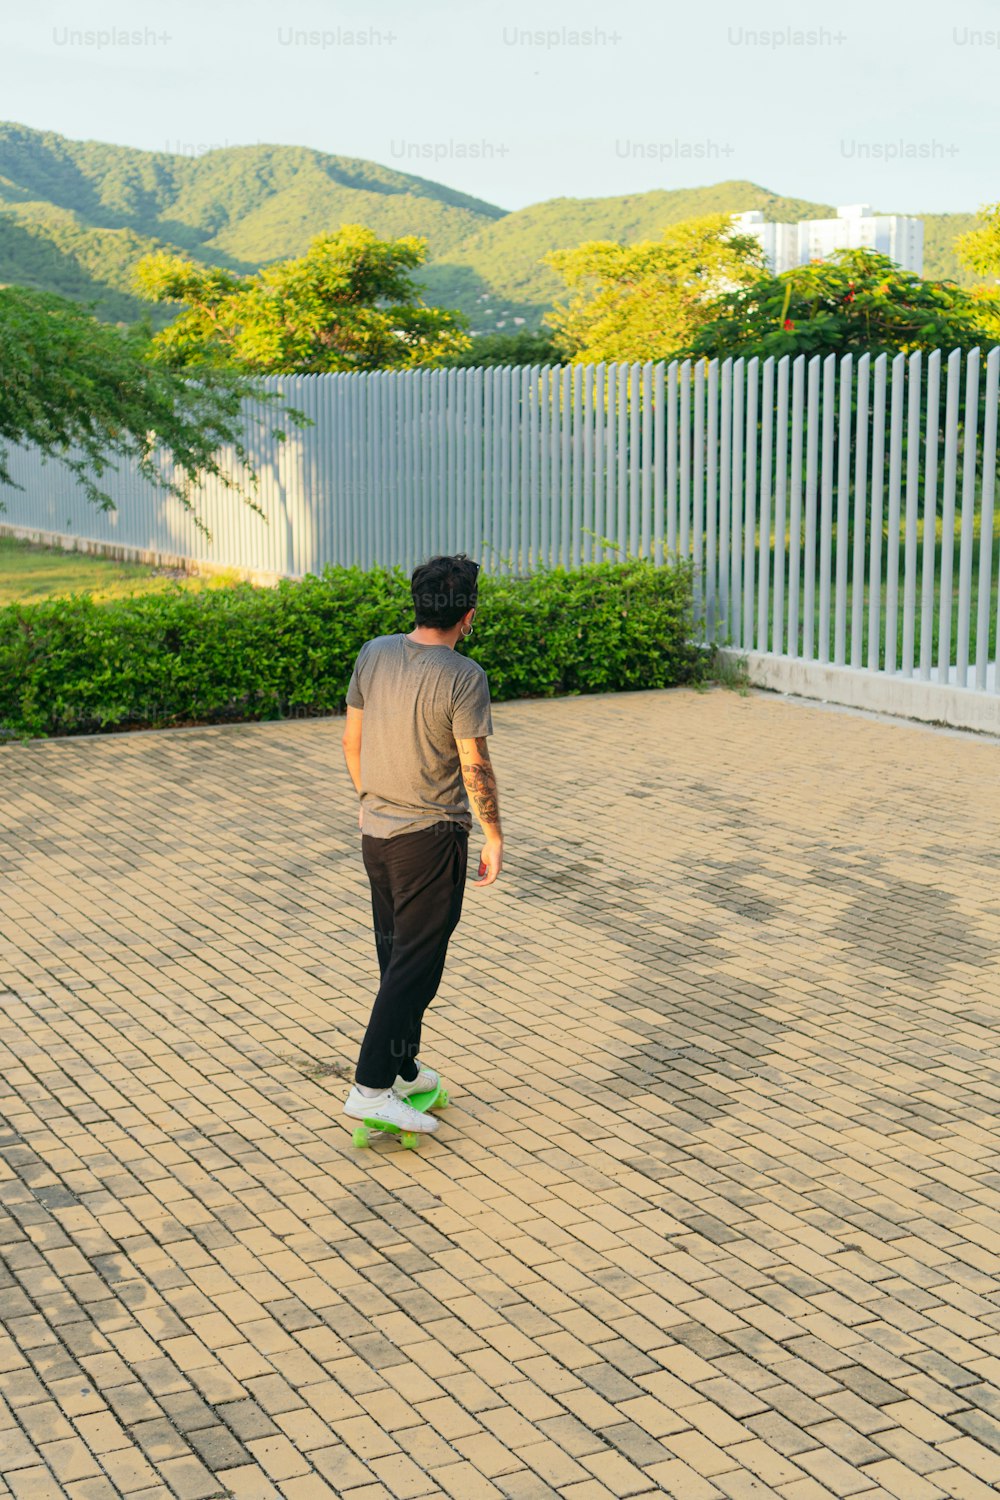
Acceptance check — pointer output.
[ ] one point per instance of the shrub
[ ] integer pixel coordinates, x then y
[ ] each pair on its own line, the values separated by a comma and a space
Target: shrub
71, 666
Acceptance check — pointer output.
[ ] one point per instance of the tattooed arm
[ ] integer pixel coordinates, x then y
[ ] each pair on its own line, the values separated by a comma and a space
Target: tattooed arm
481, 785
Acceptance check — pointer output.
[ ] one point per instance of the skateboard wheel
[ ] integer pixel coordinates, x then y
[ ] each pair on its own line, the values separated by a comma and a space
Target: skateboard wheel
410, 1139
360, 1136
442, 1102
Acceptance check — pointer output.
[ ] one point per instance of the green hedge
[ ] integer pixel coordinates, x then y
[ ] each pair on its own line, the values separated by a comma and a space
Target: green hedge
70, 666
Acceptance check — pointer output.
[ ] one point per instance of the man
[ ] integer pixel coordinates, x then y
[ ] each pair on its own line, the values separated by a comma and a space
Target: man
418, 716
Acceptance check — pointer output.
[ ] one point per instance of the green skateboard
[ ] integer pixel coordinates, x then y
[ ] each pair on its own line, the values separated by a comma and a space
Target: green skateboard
432, 1099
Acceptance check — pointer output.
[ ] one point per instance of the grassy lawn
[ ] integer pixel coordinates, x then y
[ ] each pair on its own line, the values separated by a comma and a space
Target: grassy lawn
30, 574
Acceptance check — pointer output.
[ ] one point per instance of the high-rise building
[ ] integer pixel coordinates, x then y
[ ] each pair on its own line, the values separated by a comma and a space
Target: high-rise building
856, 227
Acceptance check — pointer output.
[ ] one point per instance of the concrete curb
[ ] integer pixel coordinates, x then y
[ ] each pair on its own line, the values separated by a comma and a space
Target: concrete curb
878, 692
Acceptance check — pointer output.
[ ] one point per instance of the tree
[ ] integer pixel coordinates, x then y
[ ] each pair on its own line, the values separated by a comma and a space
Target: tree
521, 348
979, 250
857, 300
347, 304
85, 392
647, 301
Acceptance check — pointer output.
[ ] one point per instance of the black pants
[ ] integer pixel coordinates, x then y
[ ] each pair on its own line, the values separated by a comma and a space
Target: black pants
418, 883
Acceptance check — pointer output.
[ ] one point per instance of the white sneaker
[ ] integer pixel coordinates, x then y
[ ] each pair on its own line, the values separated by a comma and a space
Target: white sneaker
425, 1080
389, 1109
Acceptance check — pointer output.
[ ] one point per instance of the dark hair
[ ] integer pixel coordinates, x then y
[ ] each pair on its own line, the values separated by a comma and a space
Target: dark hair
444, 589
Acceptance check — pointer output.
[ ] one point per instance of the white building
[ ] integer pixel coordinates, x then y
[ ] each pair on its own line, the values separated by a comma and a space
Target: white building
856, 227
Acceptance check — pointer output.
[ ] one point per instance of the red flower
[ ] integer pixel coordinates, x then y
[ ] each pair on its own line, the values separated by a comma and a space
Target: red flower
788, 325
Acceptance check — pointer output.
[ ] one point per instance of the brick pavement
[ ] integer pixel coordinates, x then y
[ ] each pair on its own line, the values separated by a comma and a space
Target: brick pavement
714, 1212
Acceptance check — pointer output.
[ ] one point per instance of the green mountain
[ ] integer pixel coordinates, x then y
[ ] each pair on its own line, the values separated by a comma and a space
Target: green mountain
76, 215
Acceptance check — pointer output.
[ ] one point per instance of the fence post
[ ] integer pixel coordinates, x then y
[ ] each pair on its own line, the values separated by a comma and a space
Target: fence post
780, 520
360, 515
725, 493
893, 527
672, 459
764, 544
930, 514
875, 545
565, 414
646, 466
860, 512
600, 483
611, 455
499, 533
482, 458
795, 525
749, 569
983, 601
658, 471
547, 402
968, 515
455, 400
536, 434
438, 469
812, 466
912, 512
624, 371
826, 503
948, 514
573, 454
375, 383
589, 445
698, 480
736, 508
843, 506
684, 494
634, 457
712, 501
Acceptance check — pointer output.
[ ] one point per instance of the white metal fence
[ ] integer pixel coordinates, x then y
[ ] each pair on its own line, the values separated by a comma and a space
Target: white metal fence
834, 510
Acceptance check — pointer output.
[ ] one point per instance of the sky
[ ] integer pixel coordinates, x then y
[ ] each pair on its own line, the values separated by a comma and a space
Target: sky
890, 104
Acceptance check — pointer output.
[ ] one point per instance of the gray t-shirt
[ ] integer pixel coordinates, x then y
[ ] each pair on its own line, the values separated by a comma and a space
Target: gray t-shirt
417, 701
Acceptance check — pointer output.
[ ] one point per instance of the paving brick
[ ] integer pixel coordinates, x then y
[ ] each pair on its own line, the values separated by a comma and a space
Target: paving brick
36, 1483
696, 1450
681, 1482
69, 1459
486, 1454
309, 1487
898, 1480
16, 1452
102, 1432
402, 1477
830, 1471
962, 1485
762, 1462
278, 1457
93, 1489
190, 1479
968, 1454
340, 1466
128, 1469
619, 1475
218, 1449
249, 1482
159, 1440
